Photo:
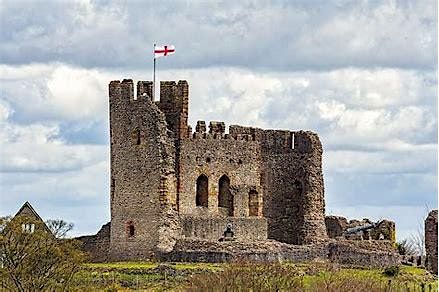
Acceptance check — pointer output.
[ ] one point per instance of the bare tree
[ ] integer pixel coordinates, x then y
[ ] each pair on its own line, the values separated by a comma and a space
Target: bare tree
59, 228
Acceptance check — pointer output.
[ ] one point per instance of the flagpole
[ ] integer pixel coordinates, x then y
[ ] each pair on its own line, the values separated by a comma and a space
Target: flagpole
153, 82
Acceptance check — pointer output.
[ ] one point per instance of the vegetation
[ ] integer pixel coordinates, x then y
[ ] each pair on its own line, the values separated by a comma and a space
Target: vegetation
248, 277
406, 247
40, 258
35, 256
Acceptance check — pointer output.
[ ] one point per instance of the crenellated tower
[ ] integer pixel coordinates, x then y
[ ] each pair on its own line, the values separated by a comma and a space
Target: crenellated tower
143, 181
168, 183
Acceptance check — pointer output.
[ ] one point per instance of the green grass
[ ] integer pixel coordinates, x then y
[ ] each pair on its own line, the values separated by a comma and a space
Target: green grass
152, 276
122, 265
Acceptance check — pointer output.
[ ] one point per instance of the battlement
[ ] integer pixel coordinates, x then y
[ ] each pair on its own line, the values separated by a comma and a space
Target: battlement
217, 130
174, 100
302, 141
173, 95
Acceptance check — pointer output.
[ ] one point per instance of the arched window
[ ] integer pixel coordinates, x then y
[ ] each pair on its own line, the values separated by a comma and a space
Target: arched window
253, 203
136, 137
225, 198
201, 198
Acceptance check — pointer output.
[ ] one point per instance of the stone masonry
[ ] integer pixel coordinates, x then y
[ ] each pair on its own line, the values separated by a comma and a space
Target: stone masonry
218, 194
169, 183
337, 227
431, 240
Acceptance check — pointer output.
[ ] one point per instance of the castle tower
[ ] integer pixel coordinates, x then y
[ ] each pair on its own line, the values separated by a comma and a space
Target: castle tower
143, 182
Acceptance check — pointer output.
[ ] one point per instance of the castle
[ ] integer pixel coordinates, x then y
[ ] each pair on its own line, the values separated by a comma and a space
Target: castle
208, 195
168, 182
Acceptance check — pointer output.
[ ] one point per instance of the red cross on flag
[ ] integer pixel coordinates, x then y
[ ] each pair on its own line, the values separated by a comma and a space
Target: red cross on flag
163, 51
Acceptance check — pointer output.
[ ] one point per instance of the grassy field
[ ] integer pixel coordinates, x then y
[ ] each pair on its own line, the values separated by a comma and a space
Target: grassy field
148, 276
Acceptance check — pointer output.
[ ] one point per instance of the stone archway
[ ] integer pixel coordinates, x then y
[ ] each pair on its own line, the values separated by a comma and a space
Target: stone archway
225, 197
202, 195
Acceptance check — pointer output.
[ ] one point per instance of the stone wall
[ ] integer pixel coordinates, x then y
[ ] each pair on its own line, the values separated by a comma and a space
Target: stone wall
343, 252
212, 228
143, 182
293, 186
216, 155
336, 227
98, 245
431, 240
365, 254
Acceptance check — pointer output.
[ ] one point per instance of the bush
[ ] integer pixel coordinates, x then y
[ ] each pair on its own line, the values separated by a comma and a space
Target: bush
33, 258
391, 271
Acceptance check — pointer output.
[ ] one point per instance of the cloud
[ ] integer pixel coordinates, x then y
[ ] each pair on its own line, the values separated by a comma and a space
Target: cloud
54, 92
79, 196
284, 36
38, 148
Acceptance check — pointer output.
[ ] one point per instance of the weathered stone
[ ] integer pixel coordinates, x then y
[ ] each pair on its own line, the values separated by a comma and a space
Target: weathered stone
431, 240
251, 194
337, 227
97, 245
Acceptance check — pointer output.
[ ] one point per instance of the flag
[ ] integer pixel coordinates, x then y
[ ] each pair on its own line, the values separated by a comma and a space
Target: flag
163, 51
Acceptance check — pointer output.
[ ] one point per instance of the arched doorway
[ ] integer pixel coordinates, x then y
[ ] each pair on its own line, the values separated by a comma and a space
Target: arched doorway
225, 198
201, 198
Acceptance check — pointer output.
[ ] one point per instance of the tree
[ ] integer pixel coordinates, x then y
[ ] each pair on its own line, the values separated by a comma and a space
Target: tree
37, 258
406, 247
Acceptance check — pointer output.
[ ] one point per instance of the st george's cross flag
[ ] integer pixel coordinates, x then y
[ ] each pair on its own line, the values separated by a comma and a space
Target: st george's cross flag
163, 51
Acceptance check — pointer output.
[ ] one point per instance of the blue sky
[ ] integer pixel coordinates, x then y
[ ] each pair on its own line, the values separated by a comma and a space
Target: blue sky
362, 74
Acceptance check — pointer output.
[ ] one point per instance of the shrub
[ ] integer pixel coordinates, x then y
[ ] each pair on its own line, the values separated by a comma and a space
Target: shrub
34, 259
391, 271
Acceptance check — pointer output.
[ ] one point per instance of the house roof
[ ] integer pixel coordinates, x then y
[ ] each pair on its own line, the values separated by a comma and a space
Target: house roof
27, 209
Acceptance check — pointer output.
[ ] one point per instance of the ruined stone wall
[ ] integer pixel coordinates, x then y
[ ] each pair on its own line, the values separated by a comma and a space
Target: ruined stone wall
431, 240
363, 253
212, 228
335, 226
375, 254
98, 245
143, 183
292, 180
216, 154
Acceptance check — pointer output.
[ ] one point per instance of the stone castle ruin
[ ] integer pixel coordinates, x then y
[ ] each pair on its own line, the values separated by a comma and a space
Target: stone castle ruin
168, 182
216, 195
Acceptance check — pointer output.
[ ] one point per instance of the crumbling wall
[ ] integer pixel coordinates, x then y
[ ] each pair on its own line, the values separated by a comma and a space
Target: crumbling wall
212, 228
335, 226
143, 184
431, 240
292, 179
365, 254
98, 245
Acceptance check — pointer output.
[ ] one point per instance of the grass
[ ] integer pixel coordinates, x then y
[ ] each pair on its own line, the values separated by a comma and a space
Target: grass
151, 276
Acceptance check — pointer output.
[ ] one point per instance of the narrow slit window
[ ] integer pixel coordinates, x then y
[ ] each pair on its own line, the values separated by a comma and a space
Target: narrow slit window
131, 230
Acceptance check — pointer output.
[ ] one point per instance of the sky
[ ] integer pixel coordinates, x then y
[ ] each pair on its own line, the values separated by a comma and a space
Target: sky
361, 74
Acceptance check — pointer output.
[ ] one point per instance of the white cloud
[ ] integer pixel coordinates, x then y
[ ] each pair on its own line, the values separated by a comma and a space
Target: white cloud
37, 147
284, 36
55, 91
